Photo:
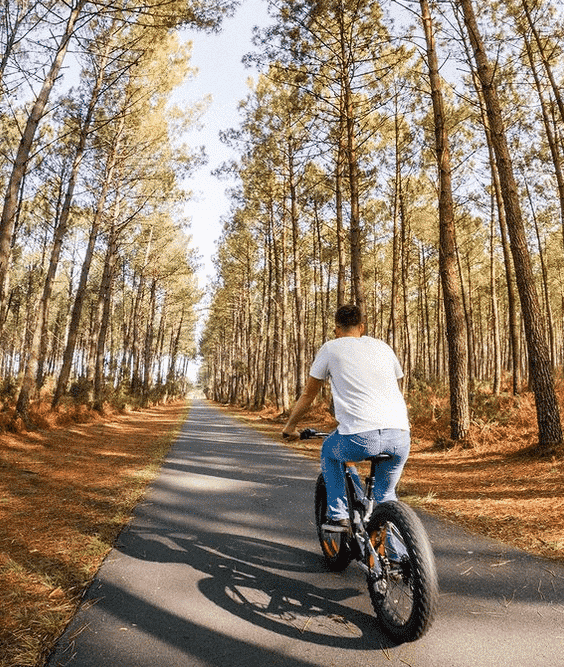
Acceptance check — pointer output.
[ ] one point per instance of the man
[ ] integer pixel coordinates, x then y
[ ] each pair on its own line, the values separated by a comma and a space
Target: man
369, 406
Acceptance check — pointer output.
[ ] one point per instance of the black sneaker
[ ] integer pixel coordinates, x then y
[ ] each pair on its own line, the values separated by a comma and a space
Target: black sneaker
337, 525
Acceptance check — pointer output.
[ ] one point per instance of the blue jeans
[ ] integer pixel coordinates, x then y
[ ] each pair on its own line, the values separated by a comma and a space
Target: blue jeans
339, 448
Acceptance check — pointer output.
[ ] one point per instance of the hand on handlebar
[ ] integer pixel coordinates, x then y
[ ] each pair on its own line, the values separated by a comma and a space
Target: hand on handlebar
306, 434
291, 434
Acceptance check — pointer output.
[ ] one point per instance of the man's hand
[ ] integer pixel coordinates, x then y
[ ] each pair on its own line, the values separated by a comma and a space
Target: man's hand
291, 434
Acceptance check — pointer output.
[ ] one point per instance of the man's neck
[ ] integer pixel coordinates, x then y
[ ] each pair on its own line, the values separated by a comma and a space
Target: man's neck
351, 332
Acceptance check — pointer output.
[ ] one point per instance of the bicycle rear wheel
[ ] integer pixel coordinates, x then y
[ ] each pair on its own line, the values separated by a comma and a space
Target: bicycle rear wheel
402, 578
336, 547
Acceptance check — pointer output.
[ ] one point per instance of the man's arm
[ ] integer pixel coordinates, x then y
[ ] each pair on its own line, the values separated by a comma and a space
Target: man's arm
313, 385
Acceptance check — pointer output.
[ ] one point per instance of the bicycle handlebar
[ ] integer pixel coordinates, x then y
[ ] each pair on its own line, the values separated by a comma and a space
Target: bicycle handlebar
308, 433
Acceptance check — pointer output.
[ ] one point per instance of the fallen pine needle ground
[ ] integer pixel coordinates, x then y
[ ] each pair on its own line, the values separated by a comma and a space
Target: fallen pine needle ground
65, 494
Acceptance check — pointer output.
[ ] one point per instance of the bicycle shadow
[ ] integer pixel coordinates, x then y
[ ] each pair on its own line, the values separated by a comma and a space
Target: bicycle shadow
246, 577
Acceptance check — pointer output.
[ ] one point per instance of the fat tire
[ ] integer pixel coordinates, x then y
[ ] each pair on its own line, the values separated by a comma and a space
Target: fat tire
337, 554
419, 583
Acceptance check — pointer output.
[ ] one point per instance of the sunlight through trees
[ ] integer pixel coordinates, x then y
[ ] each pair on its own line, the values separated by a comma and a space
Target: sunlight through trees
97, 276
407, 157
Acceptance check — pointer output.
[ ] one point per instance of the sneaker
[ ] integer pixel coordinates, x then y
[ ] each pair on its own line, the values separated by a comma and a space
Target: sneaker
337, 525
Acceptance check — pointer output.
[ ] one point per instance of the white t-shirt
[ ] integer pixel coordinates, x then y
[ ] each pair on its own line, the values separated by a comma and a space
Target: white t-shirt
364, 374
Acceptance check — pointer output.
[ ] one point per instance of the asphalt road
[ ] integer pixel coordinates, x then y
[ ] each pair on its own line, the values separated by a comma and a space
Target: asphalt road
221, 567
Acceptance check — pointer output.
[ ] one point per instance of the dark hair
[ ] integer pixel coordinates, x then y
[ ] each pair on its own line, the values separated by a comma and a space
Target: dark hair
348, 316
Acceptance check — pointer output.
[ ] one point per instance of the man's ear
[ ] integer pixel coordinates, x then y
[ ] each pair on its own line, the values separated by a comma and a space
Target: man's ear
362, 329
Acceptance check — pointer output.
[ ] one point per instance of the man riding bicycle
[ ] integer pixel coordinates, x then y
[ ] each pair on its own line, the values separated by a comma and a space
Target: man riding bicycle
369, 406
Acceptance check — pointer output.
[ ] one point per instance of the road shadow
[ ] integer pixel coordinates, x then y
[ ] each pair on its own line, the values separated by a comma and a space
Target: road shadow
252, 579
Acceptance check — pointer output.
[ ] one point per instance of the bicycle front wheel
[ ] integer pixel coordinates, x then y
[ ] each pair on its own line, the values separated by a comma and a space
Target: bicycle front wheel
336, 547
402, 578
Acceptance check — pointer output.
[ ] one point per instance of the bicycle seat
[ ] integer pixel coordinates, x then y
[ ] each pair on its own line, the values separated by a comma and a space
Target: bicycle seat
384, 456
376, 458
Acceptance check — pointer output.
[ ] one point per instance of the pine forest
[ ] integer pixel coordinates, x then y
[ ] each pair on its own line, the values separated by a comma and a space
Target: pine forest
405, 156
97, 273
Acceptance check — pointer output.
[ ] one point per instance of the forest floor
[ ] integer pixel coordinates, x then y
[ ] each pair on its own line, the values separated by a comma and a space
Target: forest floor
68, 489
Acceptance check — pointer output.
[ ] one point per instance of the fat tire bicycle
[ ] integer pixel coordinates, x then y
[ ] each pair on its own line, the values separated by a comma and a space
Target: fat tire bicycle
390, 545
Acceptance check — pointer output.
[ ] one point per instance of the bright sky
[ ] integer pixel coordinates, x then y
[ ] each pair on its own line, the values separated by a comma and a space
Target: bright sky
221, 74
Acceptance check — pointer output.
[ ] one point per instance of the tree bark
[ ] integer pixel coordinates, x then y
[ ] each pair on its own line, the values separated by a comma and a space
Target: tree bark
339, 217
355, 236
299, 315
455, 329
542, 379
496, 385
103, 315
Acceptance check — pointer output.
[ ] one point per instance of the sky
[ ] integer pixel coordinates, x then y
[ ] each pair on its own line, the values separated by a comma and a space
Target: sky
222, 75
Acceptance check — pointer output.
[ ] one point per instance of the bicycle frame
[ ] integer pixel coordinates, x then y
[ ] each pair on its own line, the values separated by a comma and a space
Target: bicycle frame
361, 504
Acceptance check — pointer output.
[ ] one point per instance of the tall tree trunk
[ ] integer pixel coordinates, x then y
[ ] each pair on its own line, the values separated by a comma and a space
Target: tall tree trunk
405, 271
542, 379
339, 170
175, 343
9, 210
137, 381
72, 335
456, 333
276, 350
357, 274
392, 322
467, 309
148, 353
103, 316
355, 236
512, 301
544, 271
283, 365
322, 279
496, 385
267, 378
298, 301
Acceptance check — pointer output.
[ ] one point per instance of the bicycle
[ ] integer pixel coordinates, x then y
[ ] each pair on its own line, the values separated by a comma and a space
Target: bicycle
392, 548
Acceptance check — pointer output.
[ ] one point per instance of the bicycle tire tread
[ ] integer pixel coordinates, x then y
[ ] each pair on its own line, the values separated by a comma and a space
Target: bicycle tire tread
426, 588
342, 556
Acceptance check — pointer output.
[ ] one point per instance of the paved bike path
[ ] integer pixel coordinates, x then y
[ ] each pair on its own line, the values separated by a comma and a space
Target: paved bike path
221, 566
